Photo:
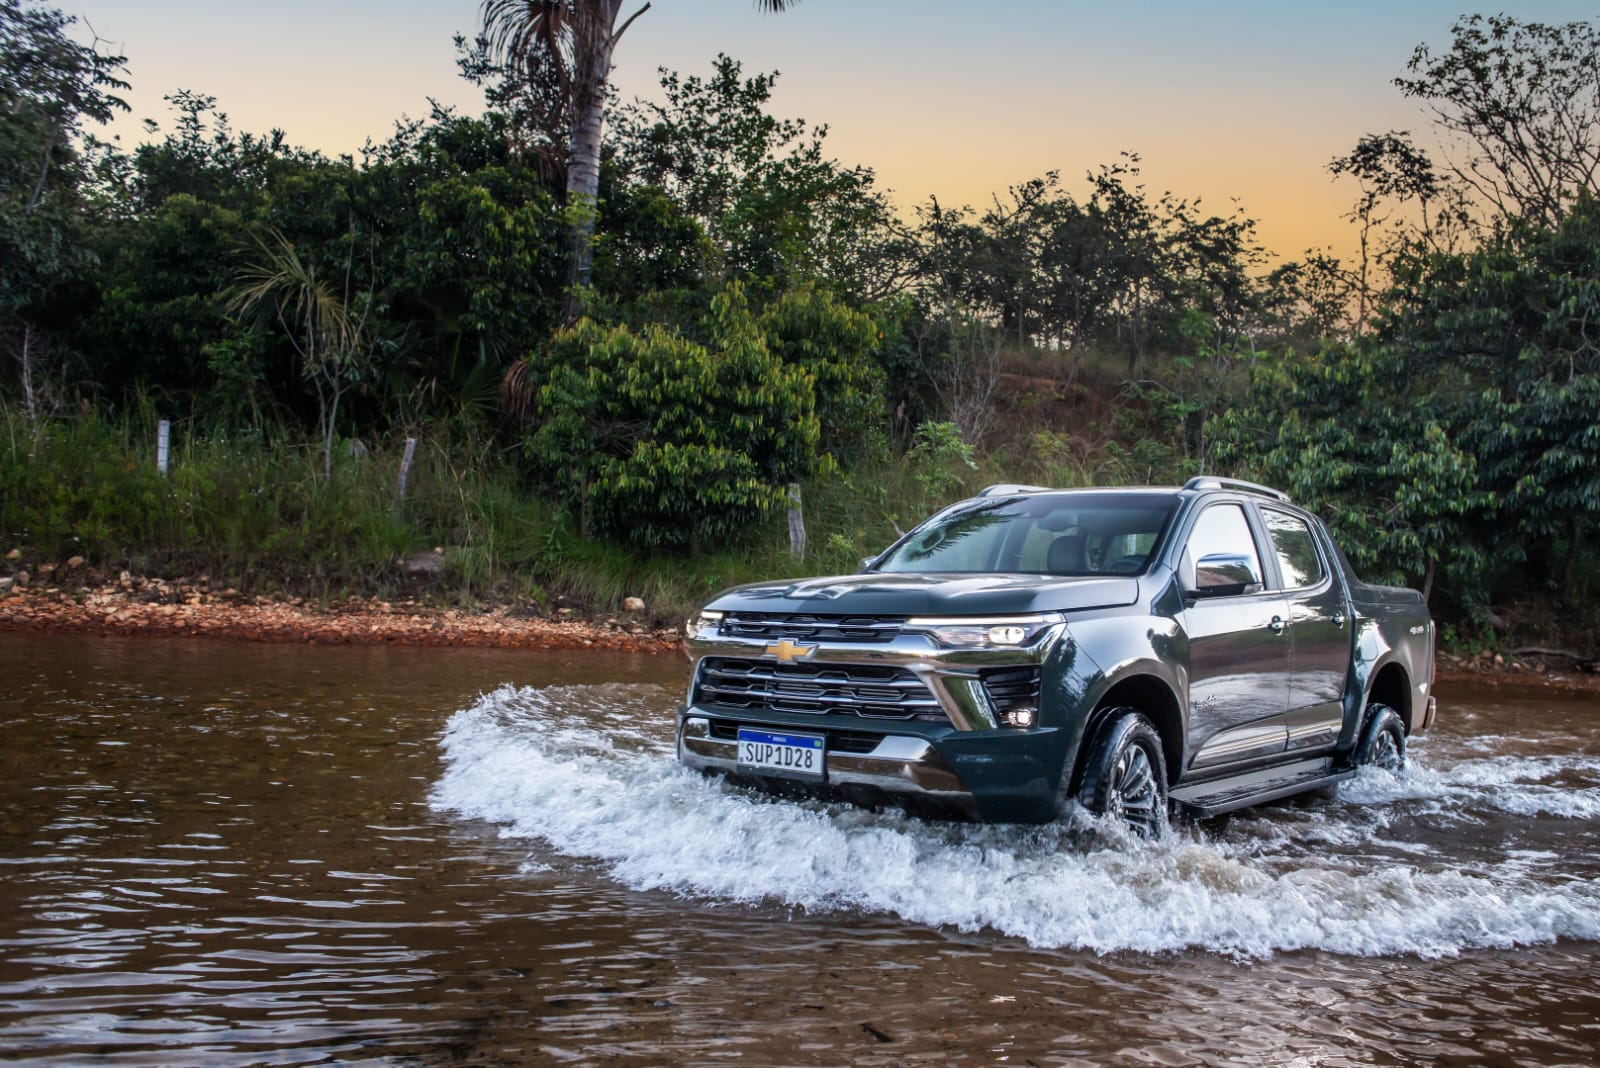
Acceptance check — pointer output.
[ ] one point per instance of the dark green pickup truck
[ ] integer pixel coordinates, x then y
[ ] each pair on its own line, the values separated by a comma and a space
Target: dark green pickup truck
1204, 648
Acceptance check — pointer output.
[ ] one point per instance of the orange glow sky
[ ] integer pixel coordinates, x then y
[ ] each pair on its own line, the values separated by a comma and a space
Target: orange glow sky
1232, 99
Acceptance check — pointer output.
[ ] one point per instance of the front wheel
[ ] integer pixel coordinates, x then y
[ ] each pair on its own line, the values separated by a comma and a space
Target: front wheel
1126, 776
1383, 743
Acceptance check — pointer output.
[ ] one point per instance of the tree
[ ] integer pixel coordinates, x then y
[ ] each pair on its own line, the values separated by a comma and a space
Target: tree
776, 209
49, 86
1524, 98
1405, 207
1507, 330
327, 326
1348, 434
573, 40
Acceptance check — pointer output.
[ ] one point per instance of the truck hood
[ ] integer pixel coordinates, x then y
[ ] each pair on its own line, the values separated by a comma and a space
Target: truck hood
934, 594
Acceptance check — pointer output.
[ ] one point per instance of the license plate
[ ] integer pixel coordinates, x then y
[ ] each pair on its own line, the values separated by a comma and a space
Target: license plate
800, 755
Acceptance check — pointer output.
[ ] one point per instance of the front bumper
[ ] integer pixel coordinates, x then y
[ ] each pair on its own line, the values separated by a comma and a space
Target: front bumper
1004, 776
900, 764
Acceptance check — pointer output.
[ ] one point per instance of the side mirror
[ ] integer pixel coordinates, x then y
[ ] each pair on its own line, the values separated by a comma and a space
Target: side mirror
867, 562
1225, 575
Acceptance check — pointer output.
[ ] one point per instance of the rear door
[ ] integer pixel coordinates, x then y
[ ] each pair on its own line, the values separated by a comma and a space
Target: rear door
1319, 631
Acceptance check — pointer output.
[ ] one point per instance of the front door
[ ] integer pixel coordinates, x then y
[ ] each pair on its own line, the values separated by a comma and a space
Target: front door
1239, 652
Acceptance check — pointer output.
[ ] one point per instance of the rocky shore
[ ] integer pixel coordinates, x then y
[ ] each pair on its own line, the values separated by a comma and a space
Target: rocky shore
68, 600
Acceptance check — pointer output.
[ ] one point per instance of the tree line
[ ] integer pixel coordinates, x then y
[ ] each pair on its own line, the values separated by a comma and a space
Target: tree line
720, 307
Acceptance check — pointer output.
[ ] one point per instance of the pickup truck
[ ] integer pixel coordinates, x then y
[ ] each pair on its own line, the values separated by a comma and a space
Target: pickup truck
1136, 650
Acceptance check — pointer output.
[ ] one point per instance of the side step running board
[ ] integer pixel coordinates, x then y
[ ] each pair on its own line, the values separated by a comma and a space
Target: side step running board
1206, 799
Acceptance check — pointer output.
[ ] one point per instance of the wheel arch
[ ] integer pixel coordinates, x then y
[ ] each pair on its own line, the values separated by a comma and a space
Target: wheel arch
1151, 695
1390, 686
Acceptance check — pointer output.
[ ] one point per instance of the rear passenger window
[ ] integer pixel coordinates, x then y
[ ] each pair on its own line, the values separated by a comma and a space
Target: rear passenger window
1298, 558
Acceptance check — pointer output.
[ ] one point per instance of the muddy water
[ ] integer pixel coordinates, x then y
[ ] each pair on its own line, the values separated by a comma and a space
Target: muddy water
228, 854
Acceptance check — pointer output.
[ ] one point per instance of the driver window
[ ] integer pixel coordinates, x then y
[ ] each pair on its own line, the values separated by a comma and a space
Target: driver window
1221, 530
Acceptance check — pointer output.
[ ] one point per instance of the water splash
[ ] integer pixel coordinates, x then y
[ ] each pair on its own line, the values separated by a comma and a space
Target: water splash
588, 773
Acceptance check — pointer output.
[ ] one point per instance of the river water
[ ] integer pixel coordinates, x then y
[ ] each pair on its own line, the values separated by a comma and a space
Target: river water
219, 854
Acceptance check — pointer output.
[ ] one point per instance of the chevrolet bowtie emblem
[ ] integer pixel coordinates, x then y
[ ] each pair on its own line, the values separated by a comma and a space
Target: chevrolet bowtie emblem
787, 650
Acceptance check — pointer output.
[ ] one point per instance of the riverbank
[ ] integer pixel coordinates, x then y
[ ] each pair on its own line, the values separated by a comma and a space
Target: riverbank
192, 608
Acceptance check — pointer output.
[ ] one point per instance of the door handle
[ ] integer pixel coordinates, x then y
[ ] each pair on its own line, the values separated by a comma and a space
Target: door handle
1276, 625
1338, 620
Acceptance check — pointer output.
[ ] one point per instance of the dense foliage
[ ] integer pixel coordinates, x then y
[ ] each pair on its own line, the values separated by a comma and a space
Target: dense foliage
760, 314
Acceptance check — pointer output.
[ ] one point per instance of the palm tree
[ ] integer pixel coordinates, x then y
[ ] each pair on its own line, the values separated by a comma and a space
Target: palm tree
326, 327
571, 41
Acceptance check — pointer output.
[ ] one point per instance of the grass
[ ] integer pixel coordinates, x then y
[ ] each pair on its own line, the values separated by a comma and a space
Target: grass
253, 511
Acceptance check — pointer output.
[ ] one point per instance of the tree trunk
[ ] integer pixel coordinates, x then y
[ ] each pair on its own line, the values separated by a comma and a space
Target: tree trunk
583, 161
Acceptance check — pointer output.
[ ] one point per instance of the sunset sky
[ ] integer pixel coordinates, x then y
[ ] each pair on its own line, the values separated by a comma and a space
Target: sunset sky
1231, 99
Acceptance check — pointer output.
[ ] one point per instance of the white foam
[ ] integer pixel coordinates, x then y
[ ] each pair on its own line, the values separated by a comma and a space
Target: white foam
589, 773
1566, 787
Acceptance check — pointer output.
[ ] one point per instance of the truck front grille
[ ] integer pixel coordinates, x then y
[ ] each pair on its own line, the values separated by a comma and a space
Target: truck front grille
879, 692
775, 626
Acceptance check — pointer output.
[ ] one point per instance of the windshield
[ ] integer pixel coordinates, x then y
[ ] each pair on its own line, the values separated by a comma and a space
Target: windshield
1044, 534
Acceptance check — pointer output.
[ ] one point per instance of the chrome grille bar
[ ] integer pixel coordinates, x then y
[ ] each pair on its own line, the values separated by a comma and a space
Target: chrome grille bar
871, 630
864, 689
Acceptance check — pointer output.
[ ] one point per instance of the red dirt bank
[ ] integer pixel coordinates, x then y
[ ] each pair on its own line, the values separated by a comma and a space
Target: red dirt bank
185, 610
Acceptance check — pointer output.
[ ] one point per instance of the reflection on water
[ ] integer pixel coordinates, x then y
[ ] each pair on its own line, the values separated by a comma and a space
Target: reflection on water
219, 854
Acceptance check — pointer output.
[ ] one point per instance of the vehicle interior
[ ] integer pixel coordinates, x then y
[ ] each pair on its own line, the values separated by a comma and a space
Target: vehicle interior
1045, 534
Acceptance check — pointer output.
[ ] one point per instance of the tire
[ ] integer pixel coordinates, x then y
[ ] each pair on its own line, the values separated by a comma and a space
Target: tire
1126, 774
1383, 743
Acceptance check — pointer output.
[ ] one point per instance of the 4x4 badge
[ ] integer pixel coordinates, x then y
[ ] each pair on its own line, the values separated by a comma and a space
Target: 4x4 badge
787, 650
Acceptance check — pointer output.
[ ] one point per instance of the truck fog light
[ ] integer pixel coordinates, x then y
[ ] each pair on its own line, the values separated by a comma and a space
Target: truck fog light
1020, 717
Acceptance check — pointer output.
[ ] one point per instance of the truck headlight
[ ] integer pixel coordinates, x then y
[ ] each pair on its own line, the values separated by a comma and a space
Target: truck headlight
1008, 632
703, 624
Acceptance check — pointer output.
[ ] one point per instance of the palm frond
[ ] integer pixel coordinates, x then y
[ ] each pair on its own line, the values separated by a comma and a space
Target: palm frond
534, 33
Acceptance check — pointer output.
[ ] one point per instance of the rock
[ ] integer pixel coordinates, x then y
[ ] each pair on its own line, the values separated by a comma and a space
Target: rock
14, 554
425, 563
633, 604
75, 561
21, 578
46, 569
5, 583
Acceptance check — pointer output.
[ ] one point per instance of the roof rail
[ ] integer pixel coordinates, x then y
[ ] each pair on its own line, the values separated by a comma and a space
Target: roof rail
1007, 489
1211, 482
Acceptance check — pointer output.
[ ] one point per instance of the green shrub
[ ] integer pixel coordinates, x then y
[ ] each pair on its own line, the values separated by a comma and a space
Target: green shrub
656, 440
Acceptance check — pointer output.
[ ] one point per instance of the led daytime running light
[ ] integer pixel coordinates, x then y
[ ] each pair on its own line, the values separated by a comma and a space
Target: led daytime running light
1003, 632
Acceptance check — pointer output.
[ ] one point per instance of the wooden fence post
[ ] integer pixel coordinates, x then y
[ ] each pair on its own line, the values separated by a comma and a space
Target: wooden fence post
405, 472
797, 524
